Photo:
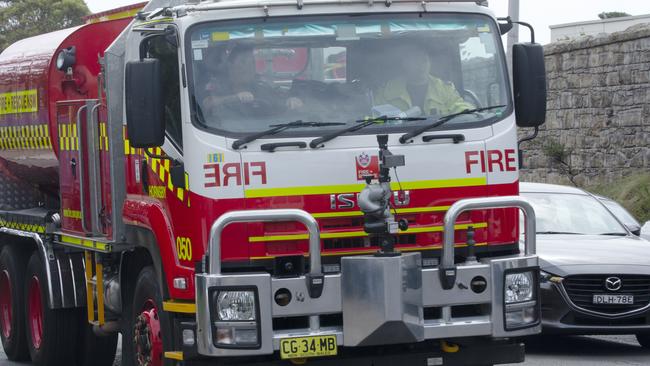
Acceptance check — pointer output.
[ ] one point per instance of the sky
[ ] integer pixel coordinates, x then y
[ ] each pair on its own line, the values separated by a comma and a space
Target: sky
540, 13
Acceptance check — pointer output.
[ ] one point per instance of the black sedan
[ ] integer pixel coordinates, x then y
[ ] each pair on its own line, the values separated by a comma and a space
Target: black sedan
595, 275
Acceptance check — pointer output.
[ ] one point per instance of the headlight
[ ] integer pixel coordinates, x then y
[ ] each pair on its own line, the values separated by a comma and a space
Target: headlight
236, 305
521, 308
235, 322
519, 287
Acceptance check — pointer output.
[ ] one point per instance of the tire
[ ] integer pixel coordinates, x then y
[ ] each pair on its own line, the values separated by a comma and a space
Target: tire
93, 350
12, 308
146, 320
643, 339
51, 333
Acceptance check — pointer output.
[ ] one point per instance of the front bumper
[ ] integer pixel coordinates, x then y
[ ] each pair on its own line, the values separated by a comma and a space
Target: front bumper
561, 316
378, 300
441, 324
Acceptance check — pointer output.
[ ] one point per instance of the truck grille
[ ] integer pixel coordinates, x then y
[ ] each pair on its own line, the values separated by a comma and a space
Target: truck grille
581, 289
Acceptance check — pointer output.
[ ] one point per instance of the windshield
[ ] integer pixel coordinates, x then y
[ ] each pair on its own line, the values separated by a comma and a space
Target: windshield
620, 212
572, 214
248, 76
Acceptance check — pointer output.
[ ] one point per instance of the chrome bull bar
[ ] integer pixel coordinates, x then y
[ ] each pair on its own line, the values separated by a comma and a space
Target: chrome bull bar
448, 269
331, 301
314, 277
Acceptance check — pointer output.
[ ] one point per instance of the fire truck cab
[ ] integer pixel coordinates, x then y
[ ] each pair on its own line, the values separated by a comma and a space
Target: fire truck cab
286, 181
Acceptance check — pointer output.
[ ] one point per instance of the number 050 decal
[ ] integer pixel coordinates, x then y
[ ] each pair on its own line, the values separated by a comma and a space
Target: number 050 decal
184, 248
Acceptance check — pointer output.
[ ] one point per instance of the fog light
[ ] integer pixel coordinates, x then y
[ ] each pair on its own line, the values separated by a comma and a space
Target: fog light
236, 305
521, 317
224, 336
188, 337
519, 287
245, 336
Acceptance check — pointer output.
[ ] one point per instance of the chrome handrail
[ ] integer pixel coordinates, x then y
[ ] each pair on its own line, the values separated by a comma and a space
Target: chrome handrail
483, 204
275, 215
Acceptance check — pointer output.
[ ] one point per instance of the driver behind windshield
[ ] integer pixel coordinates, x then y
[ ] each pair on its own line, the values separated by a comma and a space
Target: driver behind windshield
416, 91
240, 90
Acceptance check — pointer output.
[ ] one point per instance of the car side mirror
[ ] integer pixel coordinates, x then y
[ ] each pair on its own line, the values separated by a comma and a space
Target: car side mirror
529, 83
634, 229
645, 231
144, 103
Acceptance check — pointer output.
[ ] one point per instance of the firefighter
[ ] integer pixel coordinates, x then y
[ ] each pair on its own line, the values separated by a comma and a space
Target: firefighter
240, 90
416, 87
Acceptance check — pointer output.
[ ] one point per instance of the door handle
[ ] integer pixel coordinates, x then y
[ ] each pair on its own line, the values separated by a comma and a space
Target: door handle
73, 167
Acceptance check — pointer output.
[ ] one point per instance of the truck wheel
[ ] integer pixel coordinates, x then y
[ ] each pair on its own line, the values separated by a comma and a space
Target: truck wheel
148, 329
51, 333
93, 350
12, 311
643, 339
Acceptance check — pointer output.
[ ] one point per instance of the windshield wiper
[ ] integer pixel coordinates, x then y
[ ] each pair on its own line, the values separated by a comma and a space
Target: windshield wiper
558, 232
441, 121
315, 143
279, 128
614, 234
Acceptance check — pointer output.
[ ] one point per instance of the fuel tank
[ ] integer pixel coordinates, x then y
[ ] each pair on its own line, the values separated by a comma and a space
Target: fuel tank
31, 85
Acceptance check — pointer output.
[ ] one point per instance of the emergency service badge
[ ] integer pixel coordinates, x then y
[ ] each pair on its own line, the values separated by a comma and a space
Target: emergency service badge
367, 165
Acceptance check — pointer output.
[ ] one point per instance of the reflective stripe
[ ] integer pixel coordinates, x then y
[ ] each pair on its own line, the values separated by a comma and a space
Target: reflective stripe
323, 215
33, 228
353, 234
179, 307
25, 137
177, 355
359, 252
353, 188
85, 243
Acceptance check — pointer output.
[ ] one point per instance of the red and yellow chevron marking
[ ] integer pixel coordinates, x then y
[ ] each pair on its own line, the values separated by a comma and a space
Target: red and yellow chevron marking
160, 167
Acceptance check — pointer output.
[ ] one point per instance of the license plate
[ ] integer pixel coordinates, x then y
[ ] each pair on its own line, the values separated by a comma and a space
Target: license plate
614, 299
304, 347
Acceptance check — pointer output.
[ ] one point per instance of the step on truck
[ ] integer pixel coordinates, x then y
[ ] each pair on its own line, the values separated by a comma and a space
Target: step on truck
269, 182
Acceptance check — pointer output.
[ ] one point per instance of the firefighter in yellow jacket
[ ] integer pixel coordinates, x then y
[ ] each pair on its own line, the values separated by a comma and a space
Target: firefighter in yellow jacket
416, 87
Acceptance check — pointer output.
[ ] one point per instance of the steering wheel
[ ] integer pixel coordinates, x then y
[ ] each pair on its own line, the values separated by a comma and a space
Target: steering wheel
470, 96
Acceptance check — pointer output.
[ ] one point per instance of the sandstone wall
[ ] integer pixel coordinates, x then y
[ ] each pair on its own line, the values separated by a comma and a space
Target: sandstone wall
598, 108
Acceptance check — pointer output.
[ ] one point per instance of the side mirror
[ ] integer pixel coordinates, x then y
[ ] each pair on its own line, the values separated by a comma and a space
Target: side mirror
645, 231
634, 229
144, 103
529, 81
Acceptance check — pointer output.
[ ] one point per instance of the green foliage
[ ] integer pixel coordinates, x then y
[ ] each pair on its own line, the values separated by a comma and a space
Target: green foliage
612, 14
26, 18
560, 157
632, 192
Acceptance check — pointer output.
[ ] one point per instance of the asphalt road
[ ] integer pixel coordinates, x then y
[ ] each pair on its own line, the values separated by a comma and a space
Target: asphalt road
560, 351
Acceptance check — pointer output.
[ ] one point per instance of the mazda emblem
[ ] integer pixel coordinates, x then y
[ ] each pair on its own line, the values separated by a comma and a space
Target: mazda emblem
613, 283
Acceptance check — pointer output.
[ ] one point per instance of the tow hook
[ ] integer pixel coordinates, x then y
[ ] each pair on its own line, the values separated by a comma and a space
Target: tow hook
447, 347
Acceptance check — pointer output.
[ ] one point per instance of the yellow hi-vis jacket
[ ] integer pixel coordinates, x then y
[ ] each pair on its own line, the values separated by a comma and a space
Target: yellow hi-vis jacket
441, 97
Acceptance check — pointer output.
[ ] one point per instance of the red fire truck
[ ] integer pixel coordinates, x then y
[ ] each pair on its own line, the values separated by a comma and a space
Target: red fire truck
276, 182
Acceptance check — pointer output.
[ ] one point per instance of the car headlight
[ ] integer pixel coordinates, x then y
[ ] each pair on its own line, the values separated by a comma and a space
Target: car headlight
236, 305
519, 287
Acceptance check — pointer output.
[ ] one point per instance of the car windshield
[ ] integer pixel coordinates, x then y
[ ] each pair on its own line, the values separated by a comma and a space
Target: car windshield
559, 213
620, 212
249, 75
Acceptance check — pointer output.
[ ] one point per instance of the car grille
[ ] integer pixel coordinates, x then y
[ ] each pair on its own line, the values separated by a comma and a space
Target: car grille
582, 288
